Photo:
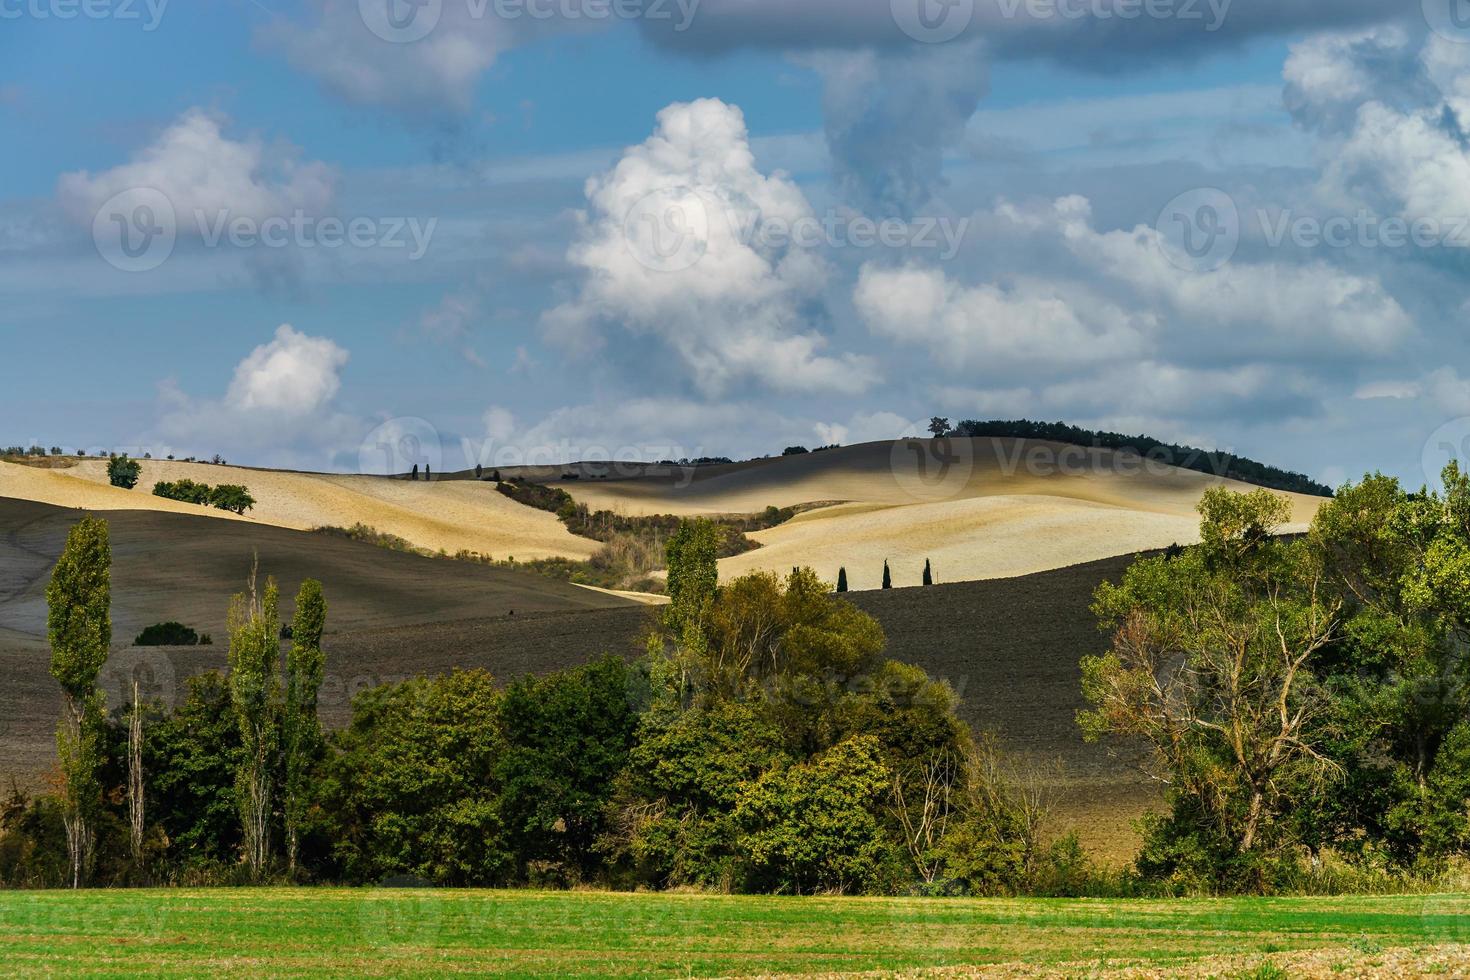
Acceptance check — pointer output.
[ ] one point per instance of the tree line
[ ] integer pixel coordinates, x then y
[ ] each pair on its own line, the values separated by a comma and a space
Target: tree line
762, 743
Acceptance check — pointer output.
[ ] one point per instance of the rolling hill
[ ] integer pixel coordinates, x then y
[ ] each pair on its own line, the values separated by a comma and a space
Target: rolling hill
1010, 647
451, 516
978, 508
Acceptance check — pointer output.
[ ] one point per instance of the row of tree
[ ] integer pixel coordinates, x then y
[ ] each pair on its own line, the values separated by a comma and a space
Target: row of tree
887, 576
279, 735
762, 743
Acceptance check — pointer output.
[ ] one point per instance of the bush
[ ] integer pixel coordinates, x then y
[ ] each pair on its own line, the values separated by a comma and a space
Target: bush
168, 634
185, 490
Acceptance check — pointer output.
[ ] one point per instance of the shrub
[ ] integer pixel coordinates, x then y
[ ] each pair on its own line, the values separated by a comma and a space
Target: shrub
185, 490
170, 634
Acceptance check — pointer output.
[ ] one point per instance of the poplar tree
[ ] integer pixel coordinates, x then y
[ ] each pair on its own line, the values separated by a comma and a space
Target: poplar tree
255, 696
79, 627
301, 733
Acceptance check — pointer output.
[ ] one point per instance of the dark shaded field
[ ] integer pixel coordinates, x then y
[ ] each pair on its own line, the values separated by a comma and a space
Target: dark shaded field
1010, 647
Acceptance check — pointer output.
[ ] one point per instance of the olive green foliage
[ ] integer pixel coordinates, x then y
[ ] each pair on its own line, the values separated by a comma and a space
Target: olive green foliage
1212, 666
691, 557
123, 472
255, 696
191, 757
779, 746
231, 497
567, 737
187, 491
817, 826
1301, 695
301, 733
79, 626
413, 786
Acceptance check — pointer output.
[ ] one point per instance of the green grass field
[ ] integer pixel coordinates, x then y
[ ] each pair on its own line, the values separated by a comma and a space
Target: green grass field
273, 932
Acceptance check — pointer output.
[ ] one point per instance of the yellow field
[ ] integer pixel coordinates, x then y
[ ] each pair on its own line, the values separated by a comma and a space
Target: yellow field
452, 516
986, 508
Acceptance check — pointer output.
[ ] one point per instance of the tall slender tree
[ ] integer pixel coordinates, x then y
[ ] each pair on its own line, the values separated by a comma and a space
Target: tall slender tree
928, 573
255, 695
692, 556
79, 626
301, 733
842, 579
887, 576
135, 775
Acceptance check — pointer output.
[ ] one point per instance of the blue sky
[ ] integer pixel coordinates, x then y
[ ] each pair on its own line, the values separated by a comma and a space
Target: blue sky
525, 320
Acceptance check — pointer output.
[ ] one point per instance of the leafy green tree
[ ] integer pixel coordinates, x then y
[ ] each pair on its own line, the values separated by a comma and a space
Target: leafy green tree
413, 788
818, 825
79, 626
567, 738
692, 559
676, 798
939, 427
231, 497
192, 756
123, 472
301, 733
255, 695
1211, 666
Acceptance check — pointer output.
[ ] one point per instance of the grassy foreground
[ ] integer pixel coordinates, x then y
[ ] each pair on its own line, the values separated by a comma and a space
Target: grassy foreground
397, 932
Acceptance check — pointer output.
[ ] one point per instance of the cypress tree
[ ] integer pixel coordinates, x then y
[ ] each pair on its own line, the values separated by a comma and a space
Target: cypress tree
887, 576
479, 471
928, 573
415, 474
79, 626
842, 579
301, 733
